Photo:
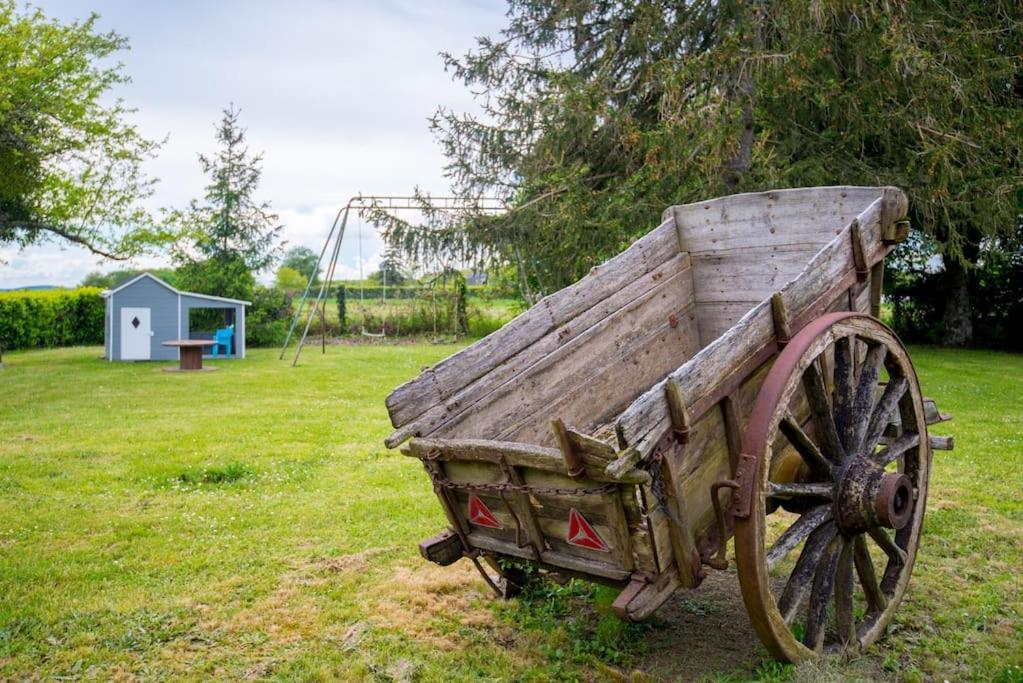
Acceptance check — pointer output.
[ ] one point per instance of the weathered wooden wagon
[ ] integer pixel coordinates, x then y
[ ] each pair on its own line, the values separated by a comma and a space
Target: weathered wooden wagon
726, 375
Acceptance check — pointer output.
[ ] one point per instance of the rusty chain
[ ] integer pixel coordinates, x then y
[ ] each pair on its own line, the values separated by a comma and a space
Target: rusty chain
503, 487
657, 488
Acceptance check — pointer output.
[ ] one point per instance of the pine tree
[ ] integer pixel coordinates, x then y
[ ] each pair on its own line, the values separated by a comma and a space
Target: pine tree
598, 115
230, 224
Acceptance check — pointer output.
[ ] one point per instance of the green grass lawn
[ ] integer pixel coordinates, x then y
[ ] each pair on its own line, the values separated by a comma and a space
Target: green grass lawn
249, 523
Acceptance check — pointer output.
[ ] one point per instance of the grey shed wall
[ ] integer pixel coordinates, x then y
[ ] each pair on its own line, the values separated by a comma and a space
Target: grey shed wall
107, 336
163, 305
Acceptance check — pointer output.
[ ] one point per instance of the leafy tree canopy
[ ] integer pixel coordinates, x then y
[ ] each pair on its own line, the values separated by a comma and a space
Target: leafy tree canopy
70, 163
290, 280
224, 275
304, 261
230, 225
117, 277
599, 114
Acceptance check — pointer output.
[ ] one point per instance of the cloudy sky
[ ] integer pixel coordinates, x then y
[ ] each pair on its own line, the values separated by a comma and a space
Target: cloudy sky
335, 94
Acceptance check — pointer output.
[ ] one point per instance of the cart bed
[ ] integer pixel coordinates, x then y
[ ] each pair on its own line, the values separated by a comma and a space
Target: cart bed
691, 302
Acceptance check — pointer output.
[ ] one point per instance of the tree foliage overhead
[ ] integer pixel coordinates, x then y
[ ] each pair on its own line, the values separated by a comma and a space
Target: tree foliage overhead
597, 115
302, 260
70, 163
230, 223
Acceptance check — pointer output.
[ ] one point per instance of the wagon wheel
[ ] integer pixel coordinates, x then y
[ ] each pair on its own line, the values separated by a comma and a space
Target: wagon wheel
858, 483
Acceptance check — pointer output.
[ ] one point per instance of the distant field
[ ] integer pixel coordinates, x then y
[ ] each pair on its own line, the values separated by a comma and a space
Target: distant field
416, 317
249, 524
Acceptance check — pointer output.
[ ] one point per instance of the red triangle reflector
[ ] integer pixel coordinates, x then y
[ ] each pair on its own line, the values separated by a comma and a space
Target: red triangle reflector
480, 514
581, 534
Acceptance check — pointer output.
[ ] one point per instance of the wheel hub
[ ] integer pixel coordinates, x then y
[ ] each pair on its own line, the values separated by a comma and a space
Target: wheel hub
868, 497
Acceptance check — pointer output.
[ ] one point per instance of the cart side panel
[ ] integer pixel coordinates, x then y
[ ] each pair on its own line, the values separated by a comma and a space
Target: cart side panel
725, 362
585, 372
555, 313
746, 247
514, 500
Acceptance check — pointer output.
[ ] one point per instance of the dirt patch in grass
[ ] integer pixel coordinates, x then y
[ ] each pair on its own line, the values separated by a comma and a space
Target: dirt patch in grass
700, 633
356, 562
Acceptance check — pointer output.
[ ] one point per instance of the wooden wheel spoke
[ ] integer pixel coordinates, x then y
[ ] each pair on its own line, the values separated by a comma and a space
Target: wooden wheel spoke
896, 448
820, 407
844, 618
806, 448
807, 523
799, 490
882, 415
863, 403
876, 600
820, 596
802, 575
887, 544
845, 375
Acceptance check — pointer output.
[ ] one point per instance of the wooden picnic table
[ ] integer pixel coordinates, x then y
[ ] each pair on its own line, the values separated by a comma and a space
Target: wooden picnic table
191, 351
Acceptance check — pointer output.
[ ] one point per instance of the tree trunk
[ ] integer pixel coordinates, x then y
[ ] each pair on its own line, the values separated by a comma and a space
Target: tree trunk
745, 89
957, 318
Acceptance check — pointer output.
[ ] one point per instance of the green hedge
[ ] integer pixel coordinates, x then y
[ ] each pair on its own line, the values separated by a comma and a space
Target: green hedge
59, 317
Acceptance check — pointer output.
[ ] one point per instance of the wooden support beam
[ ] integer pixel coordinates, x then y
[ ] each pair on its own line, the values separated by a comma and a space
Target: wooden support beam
858, 251
876, 285
444, 549
896, 232
573, 463
780, 317
436, 471
619, 525
733, 428
680, 422
524, 512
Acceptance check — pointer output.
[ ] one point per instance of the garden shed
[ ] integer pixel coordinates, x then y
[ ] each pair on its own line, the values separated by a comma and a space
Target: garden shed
144, 312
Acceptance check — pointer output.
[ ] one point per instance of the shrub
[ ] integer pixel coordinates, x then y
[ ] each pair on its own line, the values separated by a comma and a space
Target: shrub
59, 317
268, 317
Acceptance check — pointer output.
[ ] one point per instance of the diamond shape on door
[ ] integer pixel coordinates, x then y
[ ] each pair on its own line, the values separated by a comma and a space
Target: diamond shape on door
135, 322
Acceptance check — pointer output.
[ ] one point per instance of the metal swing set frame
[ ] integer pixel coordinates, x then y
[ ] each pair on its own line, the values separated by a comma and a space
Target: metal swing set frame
308, 306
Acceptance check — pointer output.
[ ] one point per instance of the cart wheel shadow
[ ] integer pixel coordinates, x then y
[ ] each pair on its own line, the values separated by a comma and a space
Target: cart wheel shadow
701, 633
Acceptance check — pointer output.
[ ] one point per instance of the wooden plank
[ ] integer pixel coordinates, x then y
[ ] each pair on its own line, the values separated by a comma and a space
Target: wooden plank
569, 335
717, 317
767, 219
526, 513
515, 454
701, 374
680, 533
455, 372
621, 539
624, 335
651, 597
749, 274
603, 390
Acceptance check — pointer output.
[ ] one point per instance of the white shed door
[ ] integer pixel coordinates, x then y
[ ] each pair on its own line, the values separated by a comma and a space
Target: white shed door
135, 333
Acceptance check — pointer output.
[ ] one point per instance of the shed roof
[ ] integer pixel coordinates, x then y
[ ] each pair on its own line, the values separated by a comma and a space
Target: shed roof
178, 292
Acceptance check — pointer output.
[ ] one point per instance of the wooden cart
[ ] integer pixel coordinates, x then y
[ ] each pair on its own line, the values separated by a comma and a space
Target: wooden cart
726, 375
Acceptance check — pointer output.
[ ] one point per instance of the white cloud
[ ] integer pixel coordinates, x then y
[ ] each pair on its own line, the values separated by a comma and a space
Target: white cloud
335, 94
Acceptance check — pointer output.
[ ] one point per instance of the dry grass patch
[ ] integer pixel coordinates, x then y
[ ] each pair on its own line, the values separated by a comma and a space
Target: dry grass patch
432, 604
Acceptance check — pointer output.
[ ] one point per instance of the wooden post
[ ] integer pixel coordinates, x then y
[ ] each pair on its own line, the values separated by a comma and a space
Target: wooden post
573, 463
876, 285
680, 421
780, 317
859, 253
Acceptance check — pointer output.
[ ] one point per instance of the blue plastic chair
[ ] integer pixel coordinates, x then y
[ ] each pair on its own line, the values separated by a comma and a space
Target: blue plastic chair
223, 338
